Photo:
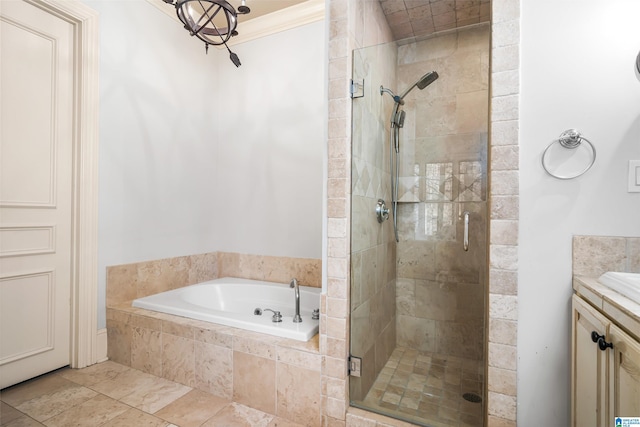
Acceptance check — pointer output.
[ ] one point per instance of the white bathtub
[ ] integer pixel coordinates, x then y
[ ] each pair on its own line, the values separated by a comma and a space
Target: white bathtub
230, 301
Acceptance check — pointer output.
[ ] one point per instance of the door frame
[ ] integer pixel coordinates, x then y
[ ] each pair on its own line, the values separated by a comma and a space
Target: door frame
84, 246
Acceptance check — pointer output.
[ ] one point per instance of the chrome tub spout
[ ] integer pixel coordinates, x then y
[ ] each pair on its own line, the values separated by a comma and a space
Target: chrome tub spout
294, 285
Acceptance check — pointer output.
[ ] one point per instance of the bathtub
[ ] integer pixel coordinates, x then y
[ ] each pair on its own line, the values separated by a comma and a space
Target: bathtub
232, 302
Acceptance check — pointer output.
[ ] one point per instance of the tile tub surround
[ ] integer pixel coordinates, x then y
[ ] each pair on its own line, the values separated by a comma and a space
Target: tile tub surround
227, 362
277, 376
130, 281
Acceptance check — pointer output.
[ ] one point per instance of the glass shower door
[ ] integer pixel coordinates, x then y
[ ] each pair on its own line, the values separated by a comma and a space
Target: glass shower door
418, 306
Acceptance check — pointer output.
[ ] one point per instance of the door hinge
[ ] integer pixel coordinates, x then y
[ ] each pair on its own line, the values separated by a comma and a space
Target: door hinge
355, 366
356, 88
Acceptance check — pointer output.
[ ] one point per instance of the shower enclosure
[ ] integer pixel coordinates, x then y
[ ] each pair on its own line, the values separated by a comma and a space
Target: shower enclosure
418, 304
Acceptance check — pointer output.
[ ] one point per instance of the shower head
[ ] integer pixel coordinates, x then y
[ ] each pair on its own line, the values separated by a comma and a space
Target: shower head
427, 79
424, 81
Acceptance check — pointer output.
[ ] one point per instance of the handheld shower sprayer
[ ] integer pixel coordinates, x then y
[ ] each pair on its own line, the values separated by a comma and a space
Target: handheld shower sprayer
424, 81
397, 122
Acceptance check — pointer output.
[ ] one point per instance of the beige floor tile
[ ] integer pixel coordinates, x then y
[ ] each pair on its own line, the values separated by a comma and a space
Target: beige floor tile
192, 409
237, 415
8, 414
93, 412
49, 405
280, 422
123, 383
23, 421
136, 418
36, 387
94, 374
102, 395
155, 394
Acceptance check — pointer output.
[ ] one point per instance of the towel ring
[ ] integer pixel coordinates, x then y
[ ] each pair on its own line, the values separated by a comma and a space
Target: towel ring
570, 139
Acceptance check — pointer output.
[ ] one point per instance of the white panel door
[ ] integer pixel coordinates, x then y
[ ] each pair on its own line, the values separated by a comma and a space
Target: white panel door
36, 159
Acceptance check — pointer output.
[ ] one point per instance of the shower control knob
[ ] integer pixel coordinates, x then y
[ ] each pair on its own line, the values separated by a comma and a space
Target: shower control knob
382, 212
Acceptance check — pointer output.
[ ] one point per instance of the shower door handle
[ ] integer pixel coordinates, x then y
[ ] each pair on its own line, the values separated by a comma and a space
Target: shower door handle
465, 238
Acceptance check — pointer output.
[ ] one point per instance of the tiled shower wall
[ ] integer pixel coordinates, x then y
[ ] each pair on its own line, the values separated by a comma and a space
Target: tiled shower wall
441, 287
373, 249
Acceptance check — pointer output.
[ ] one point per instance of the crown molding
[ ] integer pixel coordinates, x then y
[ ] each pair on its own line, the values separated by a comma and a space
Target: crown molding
265, 25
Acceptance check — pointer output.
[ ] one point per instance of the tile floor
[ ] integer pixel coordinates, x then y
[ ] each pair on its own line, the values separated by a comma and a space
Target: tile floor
427, 389
112, 395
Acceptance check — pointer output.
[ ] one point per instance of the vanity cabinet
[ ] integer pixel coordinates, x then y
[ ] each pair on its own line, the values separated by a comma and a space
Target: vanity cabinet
605, 369
589, 365
624, 375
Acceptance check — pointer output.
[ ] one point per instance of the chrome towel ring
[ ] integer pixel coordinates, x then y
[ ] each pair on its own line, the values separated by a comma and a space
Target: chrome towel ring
570, 139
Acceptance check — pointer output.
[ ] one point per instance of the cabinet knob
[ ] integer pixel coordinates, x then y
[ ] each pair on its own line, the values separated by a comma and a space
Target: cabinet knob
595, 337
603, 345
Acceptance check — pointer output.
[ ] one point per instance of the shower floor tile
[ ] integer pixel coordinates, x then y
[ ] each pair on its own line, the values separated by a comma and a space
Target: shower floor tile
428, 389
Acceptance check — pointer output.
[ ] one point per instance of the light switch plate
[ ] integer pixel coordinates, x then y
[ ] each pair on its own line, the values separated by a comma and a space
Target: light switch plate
634, 176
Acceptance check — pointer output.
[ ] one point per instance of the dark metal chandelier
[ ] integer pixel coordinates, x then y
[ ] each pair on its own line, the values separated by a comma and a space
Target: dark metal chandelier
212, 21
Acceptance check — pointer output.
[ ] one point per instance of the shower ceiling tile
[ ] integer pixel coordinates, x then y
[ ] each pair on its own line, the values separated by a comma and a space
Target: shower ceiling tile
416, 18
443, 6
392, 6
422, 27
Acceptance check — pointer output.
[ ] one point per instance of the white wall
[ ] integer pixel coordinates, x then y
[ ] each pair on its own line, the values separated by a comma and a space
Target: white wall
577, 71
271, 141
193, 149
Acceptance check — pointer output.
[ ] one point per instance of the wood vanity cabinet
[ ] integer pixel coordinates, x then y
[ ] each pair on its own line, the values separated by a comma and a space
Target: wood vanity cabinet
605, 369
624, 375
589, 380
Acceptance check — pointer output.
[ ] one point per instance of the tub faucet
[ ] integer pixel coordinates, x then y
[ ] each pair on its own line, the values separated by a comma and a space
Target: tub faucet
296, 288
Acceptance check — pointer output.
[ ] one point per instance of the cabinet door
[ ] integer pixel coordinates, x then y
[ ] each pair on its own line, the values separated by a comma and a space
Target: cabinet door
624, 372
588, 367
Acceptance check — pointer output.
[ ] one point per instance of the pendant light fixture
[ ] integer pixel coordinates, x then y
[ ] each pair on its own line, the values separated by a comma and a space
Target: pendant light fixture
212, 21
